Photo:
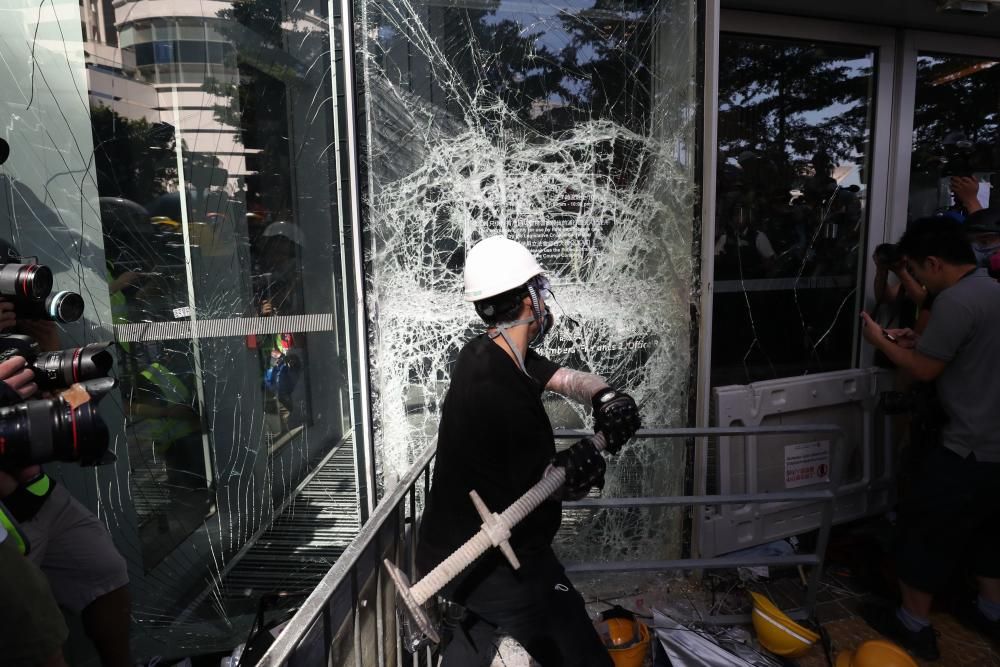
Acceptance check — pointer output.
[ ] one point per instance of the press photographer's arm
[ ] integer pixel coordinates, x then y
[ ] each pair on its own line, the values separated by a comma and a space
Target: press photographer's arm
18, 379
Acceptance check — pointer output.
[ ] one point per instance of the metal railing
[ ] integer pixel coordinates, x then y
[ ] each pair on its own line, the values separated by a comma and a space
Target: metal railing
350, 618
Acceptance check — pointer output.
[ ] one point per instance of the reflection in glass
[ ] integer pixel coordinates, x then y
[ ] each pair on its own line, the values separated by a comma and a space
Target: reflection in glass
216, 174
794, 138
956, 134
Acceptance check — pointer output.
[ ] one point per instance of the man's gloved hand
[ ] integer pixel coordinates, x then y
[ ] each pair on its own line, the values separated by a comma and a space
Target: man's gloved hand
584, 468
616, 416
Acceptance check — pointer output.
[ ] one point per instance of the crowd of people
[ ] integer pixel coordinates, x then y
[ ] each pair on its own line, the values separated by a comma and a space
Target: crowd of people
937, 321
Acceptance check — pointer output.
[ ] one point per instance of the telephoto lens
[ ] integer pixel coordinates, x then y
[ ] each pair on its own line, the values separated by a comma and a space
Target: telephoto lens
62, 307
52, 430
25, 281
60, 369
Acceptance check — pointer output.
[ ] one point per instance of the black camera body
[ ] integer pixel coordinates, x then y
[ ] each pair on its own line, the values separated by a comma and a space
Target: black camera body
53, 429
958, 163
62, 368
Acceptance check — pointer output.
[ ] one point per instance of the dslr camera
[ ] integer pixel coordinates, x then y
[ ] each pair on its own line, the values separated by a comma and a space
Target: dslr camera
958, 157
67, 427
60, 369
56, 429
29, 287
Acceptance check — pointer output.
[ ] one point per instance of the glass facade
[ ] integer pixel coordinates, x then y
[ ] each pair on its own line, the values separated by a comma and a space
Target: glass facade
177, 164
186, 167
269, 213
569, 127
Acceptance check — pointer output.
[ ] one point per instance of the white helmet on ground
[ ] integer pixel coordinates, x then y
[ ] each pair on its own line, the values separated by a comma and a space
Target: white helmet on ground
497, 265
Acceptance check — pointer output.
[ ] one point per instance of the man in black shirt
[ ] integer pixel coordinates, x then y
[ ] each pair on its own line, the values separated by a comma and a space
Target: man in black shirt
495, 438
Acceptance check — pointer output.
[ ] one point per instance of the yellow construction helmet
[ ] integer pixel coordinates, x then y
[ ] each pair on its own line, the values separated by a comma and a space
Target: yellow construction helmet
876, 653
777, 632
626, 638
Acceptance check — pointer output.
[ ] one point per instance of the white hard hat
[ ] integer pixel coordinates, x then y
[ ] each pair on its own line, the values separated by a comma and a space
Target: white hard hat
286, 230
496, 265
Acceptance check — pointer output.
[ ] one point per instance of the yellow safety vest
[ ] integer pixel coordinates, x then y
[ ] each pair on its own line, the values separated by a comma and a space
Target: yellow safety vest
13, 531
165, 430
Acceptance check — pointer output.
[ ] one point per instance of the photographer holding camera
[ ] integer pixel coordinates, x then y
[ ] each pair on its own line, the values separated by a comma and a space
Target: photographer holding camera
68, 543
955, 511
33, 627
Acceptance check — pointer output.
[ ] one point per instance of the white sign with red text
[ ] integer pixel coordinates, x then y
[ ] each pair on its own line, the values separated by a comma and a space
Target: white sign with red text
807, 463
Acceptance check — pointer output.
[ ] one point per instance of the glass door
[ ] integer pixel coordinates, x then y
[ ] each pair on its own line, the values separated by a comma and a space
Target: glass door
800, 174
801, 170
795, 148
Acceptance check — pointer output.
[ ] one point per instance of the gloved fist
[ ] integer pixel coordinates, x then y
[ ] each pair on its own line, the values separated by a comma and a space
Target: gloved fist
616, 416
584, 468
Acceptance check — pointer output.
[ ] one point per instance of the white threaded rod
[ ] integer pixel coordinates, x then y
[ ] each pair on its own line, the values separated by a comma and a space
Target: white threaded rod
480, 543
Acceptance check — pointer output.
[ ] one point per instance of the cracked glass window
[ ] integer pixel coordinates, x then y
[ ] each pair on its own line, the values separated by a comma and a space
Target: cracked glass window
179, 168
956, 132
794, 147
569, 127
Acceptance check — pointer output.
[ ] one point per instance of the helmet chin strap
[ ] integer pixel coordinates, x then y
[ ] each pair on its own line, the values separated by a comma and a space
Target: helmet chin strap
540, 315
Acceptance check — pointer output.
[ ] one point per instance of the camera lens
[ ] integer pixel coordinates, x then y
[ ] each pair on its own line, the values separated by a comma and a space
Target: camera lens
60, 369
60, 307
51, 430
27, 281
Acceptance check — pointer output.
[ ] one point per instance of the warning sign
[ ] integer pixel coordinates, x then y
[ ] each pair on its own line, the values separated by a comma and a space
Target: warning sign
807, 463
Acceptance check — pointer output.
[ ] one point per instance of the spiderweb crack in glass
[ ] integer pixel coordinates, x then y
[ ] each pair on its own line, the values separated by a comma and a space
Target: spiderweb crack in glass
495, 121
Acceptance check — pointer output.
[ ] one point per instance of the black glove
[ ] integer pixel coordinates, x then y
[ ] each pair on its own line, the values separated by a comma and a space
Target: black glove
616, 416
584, 468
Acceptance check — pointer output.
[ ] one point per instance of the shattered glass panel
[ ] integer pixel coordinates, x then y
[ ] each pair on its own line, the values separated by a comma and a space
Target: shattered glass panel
791, 209
569, 127
955, 131
179, 168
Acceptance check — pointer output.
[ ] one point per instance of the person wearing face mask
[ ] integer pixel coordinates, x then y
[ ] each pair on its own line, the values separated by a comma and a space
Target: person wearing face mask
495, 438
983, 232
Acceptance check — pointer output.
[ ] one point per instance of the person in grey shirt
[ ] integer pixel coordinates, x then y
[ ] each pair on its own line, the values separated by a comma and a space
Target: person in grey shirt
953, 514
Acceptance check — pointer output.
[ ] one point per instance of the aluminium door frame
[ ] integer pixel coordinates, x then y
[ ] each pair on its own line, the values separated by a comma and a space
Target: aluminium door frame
883, 130
884, 40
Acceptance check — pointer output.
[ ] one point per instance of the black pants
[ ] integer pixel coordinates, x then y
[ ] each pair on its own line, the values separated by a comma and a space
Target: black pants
951, 515
536, 605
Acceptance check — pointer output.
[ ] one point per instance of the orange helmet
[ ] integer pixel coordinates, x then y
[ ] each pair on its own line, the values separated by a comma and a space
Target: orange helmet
626, 638
876, 653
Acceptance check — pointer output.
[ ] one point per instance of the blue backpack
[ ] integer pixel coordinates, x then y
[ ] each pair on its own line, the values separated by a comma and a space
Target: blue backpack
281, 377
